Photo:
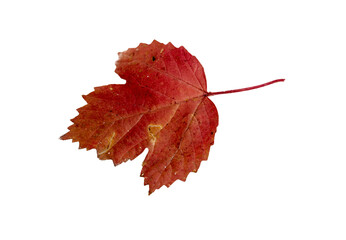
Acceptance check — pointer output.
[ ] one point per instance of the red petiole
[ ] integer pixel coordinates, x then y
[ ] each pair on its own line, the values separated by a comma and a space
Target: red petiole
245, 89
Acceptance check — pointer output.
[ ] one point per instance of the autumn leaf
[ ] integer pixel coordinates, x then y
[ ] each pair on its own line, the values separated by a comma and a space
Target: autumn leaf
163, 106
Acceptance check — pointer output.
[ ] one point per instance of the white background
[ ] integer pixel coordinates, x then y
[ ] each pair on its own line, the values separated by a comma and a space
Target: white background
276, 171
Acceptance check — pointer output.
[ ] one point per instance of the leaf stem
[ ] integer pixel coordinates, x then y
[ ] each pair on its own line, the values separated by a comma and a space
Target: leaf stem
245, 89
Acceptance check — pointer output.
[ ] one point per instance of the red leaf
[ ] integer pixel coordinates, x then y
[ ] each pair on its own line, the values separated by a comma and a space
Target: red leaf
163, 106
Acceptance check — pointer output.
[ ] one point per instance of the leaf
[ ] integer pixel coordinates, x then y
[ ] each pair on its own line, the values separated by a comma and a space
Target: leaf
163, 106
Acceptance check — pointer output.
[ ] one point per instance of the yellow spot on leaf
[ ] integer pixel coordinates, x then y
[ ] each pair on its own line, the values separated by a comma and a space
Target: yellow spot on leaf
109, 145
153, 130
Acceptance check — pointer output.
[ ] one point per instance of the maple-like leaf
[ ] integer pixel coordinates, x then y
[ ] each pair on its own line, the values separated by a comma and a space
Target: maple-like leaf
163, 106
